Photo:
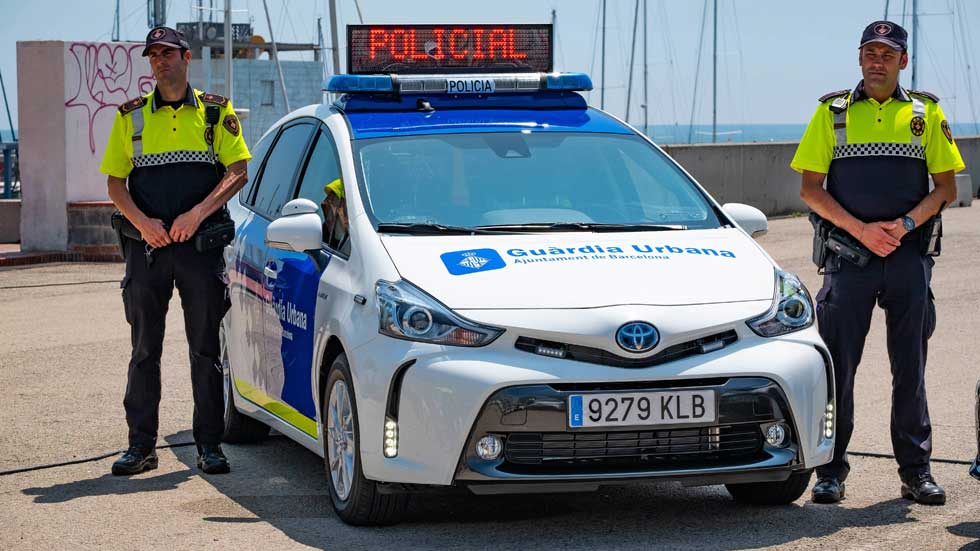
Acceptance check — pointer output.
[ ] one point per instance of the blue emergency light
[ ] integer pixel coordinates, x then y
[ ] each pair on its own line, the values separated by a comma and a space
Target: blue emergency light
458, 84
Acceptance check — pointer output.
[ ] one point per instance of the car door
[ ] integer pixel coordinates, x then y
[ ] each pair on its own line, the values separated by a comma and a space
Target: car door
275, 188
296, 285
244, 261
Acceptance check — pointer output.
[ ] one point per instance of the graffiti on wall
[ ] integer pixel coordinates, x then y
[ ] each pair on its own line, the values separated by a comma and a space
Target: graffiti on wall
108, 75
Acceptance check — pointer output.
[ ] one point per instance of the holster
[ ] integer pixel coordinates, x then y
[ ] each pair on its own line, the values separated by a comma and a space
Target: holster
930, 238
848, 248
124, 230
821, 229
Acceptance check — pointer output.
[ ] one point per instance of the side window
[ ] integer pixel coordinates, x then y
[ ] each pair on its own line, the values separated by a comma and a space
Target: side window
280, 170
322, 184
254, 165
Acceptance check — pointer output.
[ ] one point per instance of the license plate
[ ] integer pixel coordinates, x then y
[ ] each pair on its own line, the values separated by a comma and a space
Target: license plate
641, 408
470, 85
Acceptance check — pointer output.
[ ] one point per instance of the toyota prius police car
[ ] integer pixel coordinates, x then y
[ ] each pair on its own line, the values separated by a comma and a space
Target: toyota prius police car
461, 275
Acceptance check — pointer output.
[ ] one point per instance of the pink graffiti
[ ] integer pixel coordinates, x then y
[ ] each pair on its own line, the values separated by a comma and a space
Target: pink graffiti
107, 77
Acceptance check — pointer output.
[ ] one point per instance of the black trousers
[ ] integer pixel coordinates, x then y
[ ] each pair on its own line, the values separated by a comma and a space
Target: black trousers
146, 289
899, 283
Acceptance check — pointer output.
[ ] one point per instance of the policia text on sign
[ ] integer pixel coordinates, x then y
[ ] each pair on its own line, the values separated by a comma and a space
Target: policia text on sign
173, 160
876, 146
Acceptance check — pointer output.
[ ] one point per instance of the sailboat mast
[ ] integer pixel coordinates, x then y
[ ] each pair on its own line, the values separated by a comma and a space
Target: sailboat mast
602, 77
714, 79
629, 85
915, 42
646, 106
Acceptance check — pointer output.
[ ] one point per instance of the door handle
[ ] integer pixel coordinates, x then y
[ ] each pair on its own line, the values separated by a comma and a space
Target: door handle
270, 272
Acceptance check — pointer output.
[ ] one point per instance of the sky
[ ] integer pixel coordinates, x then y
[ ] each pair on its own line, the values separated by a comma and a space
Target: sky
775, 57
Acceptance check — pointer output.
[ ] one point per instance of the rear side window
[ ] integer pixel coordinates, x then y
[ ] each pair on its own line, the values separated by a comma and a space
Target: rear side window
255, 166
277, 178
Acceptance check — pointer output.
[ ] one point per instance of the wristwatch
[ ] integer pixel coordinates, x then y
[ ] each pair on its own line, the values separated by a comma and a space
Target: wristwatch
908, 222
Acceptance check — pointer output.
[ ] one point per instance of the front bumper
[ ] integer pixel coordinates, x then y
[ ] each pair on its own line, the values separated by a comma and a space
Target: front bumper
443, 397
532, 421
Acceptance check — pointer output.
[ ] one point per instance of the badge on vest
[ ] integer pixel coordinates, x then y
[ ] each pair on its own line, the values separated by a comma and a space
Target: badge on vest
947, 131
918, 126
231, 124
209, 135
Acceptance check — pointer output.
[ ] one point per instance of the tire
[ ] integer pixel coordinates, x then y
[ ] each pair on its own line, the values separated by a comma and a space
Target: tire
356, 499
771, 493
239, 428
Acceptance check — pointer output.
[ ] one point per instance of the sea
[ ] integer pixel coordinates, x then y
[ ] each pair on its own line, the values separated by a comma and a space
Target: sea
667, 134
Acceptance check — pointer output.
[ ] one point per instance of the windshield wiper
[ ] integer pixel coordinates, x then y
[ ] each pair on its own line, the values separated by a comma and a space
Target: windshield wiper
431, 229
585, 227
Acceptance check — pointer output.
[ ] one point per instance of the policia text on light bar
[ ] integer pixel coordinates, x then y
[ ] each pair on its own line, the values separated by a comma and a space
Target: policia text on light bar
417, 49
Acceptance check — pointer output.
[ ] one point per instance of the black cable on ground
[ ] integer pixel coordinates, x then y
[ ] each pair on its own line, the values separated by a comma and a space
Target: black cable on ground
58, 284
86, 460
890, 456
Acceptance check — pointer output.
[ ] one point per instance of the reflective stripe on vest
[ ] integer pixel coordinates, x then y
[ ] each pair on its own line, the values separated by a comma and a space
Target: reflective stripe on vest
137, 132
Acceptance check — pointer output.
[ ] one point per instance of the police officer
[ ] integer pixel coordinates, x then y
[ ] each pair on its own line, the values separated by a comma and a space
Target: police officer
876, 145
173, 159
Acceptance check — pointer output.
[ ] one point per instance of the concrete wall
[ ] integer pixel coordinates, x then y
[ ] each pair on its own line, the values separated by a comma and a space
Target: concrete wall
758, 174
67, 94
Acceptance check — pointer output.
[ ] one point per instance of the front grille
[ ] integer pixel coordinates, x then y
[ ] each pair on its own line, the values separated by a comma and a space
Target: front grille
673, 448
703, 345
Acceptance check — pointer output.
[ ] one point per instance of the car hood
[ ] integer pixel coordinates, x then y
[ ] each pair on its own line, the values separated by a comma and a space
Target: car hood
584, 270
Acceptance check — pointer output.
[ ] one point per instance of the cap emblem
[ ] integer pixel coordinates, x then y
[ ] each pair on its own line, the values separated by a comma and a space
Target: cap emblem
883, 29
158, 34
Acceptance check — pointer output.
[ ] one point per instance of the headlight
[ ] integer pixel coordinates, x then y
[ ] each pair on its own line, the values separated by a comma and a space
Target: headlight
791, 309
406, 312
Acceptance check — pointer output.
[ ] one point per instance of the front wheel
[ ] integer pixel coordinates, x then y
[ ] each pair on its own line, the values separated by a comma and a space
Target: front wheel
356, 499
771, 493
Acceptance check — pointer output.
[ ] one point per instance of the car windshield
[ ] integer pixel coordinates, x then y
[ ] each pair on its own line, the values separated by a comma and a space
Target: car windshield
537, 180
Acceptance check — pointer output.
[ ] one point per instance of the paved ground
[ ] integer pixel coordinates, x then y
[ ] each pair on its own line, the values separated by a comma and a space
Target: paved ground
63, 350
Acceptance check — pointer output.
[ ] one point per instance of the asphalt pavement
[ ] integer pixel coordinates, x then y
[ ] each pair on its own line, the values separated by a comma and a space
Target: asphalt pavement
64, 346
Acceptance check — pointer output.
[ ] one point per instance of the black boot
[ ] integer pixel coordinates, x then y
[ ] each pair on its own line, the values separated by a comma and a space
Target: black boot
211, 460
135, 461
922, 488
828, 490
975, 469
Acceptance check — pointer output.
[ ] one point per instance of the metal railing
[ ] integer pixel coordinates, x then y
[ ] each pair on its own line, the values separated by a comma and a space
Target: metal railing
10, 153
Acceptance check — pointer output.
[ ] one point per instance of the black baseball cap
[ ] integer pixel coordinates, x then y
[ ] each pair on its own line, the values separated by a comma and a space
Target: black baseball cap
167, 37
888, 33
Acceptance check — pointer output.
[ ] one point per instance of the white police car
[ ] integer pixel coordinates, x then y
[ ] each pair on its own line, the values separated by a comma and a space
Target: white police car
503, 289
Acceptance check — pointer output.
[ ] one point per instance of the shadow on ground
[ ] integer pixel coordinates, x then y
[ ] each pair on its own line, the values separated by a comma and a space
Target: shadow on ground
281, 483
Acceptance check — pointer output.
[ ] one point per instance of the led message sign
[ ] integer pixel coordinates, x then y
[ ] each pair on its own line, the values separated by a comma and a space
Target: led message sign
420, 49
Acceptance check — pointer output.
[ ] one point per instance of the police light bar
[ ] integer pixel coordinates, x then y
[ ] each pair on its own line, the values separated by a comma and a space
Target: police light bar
458, 84
436, 49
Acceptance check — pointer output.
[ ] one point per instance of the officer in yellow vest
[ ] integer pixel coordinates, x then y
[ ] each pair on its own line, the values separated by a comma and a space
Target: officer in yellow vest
173, 159
876, 146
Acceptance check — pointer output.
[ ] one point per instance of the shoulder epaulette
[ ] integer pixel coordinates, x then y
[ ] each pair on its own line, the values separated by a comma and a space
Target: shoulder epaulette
214, 99
927, 95
132, 105
831, 95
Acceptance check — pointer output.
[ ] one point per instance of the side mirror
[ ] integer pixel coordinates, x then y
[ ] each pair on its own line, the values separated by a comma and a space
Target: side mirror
299, 228
748, 217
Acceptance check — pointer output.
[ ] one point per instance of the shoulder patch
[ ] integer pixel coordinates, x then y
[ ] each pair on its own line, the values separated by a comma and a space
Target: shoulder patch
836, 94
214, 99
132, 105
231, 124
927, 95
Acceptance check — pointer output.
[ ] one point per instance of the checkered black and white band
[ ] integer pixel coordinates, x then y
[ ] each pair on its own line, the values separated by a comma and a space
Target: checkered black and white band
171, 157
880, 149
